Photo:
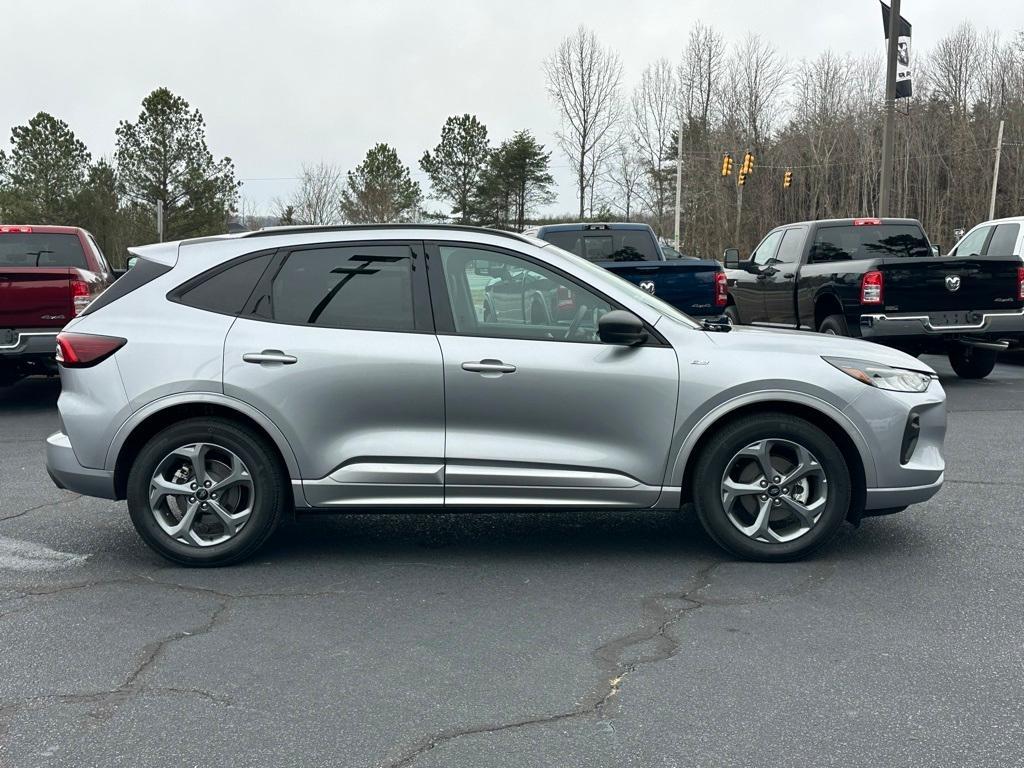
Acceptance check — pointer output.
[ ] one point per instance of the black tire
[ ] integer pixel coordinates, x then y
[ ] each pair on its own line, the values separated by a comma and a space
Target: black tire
834, 325
272, 497
714, 461
733, 314
972, 362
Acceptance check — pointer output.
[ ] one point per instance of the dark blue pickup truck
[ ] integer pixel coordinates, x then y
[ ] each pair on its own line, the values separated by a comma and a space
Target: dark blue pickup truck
695, 286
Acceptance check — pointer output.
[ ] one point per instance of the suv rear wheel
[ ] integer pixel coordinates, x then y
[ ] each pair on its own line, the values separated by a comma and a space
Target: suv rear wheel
771, 487
207, 492
972, 362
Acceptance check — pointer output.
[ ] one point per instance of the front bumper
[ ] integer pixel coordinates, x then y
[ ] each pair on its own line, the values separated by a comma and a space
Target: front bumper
67, 473
897, 498
983, 325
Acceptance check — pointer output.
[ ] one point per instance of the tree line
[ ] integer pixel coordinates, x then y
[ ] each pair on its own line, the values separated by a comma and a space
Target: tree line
820, 118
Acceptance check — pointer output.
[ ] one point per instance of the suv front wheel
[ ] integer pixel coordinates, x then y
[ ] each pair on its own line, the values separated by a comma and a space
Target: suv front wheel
207, 492
771, 487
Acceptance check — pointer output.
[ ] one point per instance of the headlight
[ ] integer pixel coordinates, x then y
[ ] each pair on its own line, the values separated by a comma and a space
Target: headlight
881, 375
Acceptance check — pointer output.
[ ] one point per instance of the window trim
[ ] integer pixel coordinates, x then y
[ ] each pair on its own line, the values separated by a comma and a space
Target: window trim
423, 320
444, 321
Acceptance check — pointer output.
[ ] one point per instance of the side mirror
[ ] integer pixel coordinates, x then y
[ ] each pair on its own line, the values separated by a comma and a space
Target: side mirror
621, 327
732, 258
132, 261
935, 250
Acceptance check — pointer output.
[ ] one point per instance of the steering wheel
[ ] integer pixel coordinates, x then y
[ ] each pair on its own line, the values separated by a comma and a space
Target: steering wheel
575, 324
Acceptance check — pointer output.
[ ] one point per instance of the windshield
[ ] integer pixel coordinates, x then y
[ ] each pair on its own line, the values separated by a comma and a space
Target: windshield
606, 244
634, 292
39, 249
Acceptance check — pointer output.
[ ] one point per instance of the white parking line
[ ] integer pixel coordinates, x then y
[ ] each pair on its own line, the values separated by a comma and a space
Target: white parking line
20, 555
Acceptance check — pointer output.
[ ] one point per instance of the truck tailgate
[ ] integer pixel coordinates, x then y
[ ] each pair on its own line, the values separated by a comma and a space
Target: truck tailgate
688, 284
35, 297
950, 285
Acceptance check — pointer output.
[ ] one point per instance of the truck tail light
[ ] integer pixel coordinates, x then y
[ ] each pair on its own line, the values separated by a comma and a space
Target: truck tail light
80, 297
866, 222
721, 289
1020, 283
15, 228
81, 350
871, 287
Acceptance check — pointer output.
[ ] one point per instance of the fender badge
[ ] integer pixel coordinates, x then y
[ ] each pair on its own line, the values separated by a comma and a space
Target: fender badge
699, 362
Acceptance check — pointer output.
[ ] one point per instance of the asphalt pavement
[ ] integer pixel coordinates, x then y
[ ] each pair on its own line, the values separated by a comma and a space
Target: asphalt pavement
569, 639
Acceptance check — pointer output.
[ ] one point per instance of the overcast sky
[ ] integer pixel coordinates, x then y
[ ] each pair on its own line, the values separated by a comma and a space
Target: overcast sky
289, 81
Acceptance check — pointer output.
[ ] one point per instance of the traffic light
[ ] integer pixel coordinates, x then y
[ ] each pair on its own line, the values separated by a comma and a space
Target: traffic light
727, 164
742, 178
787, 179
748, 163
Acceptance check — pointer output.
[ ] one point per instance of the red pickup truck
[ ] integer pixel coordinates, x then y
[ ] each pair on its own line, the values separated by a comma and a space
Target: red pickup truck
48, 275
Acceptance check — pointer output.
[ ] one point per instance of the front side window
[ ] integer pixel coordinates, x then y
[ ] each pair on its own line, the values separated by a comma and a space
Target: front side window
500, 295
365, 287
972, 244
765, 252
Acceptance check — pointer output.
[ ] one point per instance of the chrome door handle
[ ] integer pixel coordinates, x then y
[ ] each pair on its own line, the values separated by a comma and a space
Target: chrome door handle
270, 356
489, 366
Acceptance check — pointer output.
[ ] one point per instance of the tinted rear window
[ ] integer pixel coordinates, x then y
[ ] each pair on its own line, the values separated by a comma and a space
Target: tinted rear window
37, 249
1004, 240
606, 244
849, 242
362, 286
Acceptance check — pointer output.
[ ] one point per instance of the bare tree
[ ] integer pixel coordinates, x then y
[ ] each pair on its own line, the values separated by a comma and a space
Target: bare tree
655, 114
699, 75
583, 79
624, 177
317, 198
761, 75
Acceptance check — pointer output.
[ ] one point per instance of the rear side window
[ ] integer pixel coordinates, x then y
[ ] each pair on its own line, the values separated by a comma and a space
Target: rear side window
1004, 240
224, 289
789, 251
143, 272
850, 243
606, 244
367, 287
38, 249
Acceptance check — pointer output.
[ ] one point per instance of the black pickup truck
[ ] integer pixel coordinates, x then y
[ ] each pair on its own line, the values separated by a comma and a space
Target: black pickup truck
879, 279
632, 251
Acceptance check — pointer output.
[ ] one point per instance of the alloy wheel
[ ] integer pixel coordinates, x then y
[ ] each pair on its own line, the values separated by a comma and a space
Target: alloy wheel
774, 491
201, 494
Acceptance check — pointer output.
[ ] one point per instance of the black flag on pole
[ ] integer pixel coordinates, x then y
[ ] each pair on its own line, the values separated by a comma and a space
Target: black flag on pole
904, 89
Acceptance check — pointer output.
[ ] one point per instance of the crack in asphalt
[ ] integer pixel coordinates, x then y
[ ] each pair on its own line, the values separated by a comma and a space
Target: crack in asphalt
660, 612
1008, 483
74, 497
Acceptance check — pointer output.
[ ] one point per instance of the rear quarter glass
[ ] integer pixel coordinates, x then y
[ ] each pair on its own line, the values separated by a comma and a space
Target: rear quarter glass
143, 272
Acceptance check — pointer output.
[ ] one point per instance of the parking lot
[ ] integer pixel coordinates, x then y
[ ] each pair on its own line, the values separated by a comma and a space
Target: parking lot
599, 639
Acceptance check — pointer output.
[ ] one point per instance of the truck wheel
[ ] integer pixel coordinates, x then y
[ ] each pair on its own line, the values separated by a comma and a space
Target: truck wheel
207, 492
834, 325
733, 314
972, 362
771, 487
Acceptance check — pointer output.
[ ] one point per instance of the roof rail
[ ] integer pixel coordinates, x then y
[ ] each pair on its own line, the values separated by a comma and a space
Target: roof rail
310, 228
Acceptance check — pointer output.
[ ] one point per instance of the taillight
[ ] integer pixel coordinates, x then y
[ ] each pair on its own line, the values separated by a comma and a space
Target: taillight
80, 297
721, 289
81, 350
1020, 283
9, 228
866, 222
871, 287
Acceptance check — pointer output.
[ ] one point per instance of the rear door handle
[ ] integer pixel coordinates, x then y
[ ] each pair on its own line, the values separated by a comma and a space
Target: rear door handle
489, 366
270, 356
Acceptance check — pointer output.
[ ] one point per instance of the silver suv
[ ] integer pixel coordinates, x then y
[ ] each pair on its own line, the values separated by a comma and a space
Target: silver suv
225, 382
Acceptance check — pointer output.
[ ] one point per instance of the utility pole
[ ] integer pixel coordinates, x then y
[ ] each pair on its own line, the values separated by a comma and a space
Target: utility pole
160, 221
890, 110
995, 173
739, 213
679, 175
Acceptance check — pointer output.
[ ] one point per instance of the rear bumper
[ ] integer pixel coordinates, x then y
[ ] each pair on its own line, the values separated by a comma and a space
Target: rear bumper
67, 473
31, 344
985, 325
